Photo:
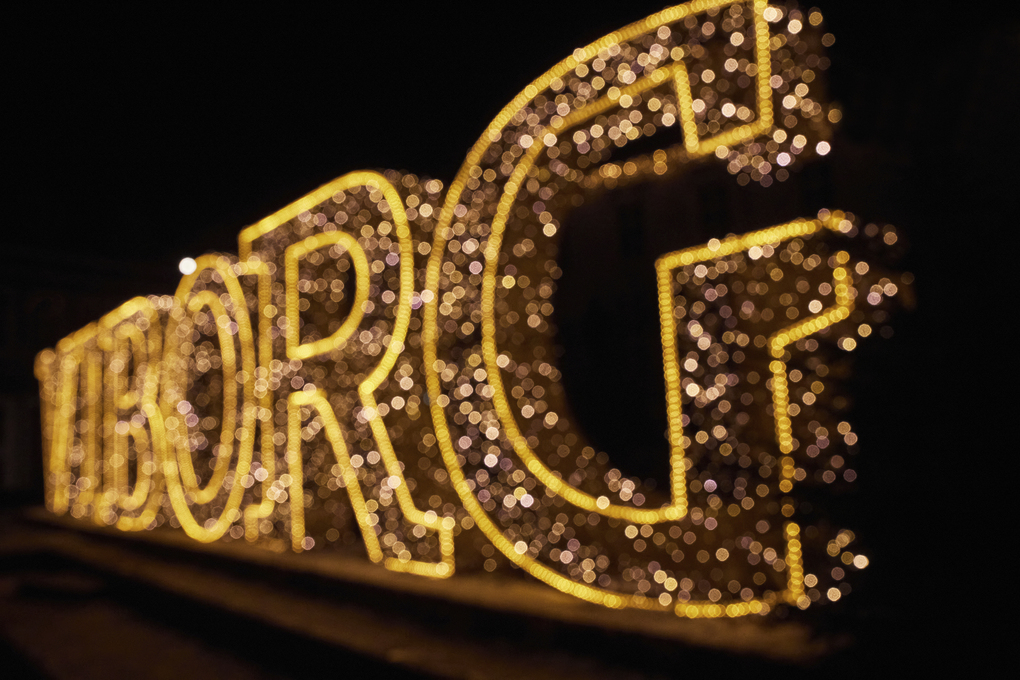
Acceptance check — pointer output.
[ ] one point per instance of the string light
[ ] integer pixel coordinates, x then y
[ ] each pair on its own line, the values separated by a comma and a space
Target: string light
375, 369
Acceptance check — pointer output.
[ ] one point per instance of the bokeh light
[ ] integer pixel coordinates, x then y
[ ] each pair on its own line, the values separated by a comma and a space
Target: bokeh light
375, 371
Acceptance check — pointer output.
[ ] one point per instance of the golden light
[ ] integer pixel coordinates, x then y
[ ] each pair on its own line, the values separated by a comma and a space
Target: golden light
376, 367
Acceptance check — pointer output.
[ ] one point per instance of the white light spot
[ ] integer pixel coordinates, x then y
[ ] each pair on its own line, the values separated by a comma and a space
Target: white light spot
187, 266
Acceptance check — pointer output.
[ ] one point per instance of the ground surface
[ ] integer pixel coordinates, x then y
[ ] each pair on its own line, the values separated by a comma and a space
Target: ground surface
77, 603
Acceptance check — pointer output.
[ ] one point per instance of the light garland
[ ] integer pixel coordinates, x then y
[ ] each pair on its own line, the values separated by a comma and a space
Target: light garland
344, 377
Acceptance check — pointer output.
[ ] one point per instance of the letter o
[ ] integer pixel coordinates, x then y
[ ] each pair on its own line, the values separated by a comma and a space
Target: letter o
178, 468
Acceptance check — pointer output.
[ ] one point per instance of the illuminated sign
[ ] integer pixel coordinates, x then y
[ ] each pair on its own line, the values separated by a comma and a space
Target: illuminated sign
376, 369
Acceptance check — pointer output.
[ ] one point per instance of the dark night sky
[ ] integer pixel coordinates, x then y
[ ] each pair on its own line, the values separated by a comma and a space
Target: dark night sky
151, 134
157, 134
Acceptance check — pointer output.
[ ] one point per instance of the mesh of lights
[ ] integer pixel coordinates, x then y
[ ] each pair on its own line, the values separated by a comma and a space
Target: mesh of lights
374, 371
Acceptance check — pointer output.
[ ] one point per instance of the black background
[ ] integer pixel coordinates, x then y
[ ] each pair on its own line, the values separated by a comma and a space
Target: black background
138, 136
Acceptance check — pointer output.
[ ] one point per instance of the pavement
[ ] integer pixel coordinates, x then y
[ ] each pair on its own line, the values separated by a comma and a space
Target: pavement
79, 601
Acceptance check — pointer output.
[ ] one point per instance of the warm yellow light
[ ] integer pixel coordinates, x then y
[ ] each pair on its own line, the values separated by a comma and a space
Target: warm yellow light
324, 386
